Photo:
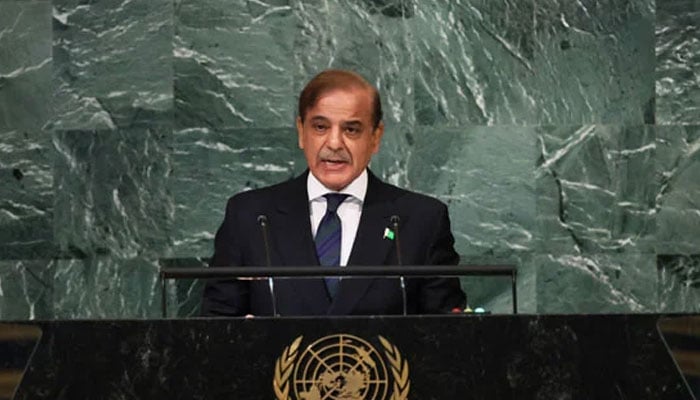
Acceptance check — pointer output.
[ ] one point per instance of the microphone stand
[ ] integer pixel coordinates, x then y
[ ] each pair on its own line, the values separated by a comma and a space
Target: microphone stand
395, 224
262, 220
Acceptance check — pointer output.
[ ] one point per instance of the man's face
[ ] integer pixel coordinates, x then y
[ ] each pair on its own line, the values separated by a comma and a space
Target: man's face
338, 137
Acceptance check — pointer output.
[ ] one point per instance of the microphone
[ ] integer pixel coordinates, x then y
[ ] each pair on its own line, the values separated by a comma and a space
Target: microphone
395, 225
262, 221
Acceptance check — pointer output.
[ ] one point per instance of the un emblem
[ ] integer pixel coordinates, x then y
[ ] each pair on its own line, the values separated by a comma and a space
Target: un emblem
341, 367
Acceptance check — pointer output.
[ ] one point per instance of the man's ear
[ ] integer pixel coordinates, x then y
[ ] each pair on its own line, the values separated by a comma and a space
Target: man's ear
300, 132
377, 137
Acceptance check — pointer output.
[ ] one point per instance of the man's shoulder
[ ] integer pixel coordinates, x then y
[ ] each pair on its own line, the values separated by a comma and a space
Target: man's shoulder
409, 197
267, 194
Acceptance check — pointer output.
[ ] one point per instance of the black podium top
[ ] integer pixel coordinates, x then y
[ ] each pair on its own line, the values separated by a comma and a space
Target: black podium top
436, 357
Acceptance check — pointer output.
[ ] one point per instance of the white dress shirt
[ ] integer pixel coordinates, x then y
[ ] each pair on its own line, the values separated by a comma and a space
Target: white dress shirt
349, 210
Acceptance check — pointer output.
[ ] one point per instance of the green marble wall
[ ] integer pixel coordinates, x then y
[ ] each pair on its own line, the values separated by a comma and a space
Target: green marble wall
565, 137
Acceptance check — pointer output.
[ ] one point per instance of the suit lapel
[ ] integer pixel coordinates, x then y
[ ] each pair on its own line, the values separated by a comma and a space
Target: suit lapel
291, 235
369, 248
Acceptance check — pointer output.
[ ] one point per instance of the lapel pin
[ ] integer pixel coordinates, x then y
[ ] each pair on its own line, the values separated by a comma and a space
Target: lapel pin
388, 234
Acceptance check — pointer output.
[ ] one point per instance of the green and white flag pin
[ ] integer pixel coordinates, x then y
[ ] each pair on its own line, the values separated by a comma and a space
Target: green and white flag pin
388, 234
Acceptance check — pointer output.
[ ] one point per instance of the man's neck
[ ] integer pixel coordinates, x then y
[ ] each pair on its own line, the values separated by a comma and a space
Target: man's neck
357, 188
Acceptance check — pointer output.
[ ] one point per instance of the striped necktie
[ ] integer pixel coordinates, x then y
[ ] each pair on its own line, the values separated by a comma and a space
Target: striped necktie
328, 238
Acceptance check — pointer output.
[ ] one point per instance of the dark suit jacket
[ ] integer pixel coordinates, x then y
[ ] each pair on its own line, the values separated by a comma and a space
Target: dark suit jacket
425, 240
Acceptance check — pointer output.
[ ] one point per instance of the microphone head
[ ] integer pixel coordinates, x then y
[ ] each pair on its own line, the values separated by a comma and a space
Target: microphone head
395, 219
262, 219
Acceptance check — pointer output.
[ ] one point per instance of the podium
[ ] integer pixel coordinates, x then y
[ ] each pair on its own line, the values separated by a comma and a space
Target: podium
393, 357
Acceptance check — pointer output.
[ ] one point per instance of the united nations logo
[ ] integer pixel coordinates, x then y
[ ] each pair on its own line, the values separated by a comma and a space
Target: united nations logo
341, 367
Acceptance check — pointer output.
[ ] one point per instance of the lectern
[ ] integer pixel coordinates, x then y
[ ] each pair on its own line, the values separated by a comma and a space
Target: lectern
416, 357
454, 356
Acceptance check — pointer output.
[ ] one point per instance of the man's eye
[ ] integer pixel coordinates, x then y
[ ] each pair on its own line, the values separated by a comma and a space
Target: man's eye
352, 130
320, 127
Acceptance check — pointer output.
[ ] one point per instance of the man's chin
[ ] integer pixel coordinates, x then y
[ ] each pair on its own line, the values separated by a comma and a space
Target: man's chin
336, 185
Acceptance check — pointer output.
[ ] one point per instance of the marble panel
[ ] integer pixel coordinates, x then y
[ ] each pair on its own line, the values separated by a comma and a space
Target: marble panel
486, 176
209, 166
596, 188
678, 62
596, 283
112, 63
678, 196
26, 194
533, 62
234, 64
472, 62
593, 62
391, 162
25, 64
111, 192
183, 296
467, 86
106, 287
26, 289
369, 37
679, 283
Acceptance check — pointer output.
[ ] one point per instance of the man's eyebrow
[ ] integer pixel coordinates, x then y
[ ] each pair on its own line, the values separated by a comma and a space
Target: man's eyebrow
353, 123
319, 118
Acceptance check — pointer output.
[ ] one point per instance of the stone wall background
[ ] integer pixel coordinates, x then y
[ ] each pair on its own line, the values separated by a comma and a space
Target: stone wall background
565, 137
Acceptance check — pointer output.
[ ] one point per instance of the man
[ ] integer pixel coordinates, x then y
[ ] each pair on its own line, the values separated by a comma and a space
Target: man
336, 213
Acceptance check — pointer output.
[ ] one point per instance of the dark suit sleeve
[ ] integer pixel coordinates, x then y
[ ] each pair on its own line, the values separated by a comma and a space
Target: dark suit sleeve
441, 295
227, 297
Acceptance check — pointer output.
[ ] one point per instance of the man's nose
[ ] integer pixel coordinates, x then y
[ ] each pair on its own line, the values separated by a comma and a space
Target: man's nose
335, 138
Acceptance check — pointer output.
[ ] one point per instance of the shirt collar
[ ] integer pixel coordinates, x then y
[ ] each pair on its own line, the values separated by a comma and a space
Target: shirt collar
356, 188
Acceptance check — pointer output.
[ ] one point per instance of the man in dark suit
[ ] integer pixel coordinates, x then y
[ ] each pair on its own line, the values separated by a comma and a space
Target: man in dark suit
336, 213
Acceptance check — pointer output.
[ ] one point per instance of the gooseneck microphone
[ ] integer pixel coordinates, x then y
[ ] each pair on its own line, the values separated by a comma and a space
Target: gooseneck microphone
262, 220
395, 226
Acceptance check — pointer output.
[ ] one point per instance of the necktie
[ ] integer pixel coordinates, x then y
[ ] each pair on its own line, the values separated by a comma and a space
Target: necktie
328, 239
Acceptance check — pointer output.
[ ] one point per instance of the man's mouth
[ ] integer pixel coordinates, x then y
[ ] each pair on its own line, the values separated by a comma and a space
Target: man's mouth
334, 164
334, 158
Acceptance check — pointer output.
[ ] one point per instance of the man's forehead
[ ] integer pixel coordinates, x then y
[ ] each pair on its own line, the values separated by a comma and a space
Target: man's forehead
355, 102
360, 94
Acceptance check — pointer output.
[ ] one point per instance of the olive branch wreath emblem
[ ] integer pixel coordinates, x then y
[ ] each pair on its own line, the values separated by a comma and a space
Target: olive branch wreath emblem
285, 365
283, 369
399, 370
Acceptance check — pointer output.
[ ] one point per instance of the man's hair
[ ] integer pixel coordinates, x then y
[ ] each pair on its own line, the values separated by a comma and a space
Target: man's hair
333, 79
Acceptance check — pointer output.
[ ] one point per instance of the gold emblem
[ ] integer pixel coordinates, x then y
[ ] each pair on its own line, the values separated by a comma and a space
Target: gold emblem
340, 367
